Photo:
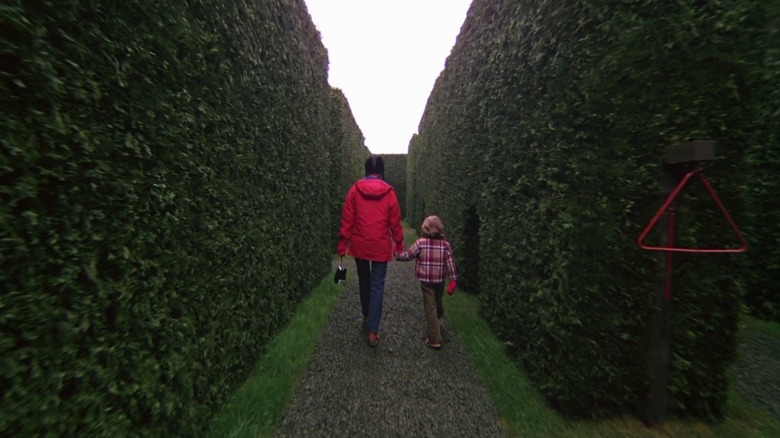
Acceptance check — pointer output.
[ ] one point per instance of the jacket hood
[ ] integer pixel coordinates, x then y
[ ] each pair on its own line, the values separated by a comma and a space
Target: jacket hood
373, 188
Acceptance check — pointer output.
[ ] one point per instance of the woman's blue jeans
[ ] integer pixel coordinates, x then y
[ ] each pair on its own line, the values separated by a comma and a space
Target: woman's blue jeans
371, 278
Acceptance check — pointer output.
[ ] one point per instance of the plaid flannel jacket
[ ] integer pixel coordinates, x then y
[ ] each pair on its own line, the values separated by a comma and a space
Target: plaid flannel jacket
434, 259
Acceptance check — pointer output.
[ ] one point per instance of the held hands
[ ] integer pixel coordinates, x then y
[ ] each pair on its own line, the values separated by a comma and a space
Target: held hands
342, 248
399, 248
451, 287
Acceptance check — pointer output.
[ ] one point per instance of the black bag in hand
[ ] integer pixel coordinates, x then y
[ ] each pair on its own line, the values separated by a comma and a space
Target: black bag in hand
341, 273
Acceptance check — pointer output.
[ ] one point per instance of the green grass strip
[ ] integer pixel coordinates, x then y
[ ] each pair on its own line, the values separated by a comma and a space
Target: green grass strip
526, 414
770, 328
257, 407
519, 404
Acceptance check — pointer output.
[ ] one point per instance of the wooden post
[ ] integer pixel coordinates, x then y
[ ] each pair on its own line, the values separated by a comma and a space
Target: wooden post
678, 158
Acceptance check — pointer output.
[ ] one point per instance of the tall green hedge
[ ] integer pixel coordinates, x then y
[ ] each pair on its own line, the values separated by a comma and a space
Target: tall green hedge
762, 167
347, 159
542, 148
395, 175
167, 170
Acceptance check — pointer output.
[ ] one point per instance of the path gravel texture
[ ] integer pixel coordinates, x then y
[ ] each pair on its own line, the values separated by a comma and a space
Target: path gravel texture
399, 388
757, 369
402, 388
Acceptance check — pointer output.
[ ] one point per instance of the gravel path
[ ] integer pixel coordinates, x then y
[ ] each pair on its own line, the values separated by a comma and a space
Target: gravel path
402, 388
757, 369
399, 388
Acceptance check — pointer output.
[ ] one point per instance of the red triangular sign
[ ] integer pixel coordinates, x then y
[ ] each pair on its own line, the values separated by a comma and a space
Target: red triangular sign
670, 199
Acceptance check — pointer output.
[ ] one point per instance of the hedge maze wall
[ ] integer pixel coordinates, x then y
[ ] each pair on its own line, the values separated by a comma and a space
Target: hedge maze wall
395, 175
348, 155
542, 148
169, 174
762, 166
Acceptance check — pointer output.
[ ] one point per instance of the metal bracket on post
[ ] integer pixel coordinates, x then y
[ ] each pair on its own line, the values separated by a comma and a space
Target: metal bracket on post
677, 155
667, 207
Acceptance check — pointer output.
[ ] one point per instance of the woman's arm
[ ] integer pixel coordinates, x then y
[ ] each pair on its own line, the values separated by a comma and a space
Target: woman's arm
409, 254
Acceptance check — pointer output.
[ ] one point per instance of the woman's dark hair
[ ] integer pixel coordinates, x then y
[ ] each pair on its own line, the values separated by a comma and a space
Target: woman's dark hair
375, 165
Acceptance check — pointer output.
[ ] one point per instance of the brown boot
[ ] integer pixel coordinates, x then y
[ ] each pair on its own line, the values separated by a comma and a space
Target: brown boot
373, 339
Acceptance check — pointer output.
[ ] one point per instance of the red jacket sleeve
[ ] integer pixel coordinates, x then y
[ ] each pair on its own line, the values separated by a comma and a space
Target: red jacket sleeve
348, 216
396, 229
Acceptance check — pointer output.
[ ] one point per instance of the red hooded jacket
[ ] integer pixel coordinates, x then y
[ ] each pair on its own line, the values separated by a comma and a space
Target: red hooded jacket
371, 220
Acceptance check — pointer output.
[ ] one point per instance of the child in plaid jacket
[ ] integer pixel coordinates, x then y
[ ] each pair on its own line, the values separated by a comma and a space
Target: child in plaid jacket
435, 261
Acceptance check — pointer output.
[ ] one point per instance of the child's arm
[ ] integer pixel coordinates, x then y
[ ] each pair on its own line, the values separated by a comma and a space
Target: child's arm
409, 254
450, 260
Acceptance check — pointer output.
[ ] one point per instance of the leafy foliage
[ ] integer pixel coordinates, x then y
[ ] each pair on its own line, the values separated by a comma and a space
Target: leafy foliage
762, 296
553, 118
165, 204
395, 175
347, 158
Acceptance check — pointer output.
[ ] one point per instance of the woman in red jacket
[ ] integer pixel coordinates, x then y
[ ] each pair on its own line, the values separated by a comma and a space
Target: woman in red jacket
371, 231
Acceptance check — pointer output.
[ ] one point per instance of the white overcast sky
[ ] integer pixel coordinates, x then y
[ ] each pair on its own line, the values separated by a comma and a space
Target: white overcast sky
385, 55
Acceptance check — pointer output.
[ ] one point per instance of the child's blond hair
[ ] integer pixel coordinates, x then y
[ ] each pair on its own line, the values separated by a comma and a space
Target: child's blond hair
433, 227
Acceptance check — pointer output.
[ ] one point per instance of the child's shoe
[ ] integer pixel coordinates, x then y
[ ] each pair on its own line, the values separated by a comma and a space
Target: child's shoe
435, 345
